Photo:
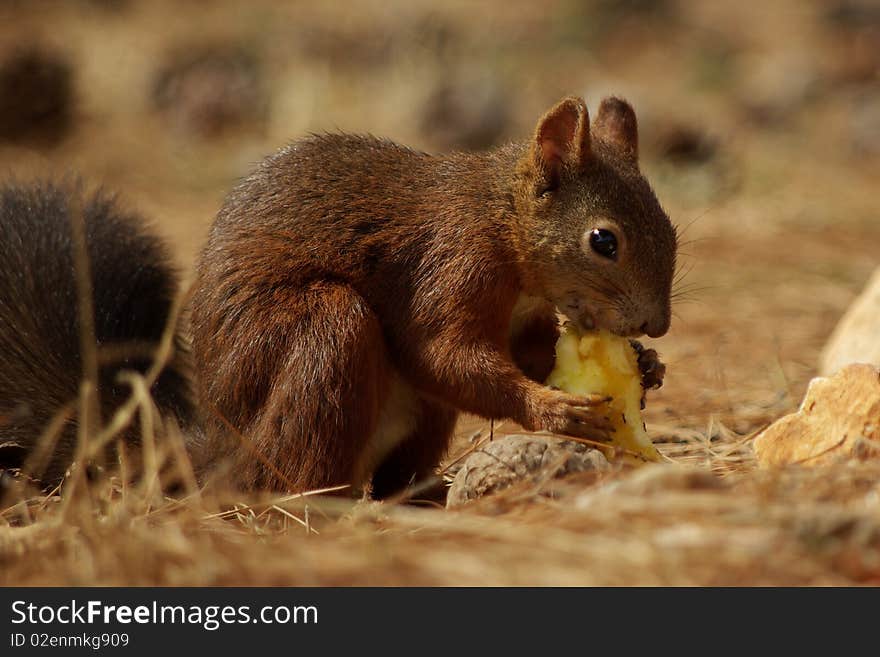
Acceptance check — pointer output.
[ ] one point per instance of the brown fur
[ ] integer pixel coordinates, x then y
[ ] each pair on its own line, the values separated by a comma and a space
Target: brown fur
355, 295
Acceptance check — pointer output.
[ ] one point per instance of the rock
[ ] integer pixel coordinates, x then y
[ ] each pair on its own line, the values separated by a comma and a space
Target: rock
864, 124
469, 113
852, 14
838, 419
208, 91
515, 458
348, 46
777, 87
685, 144
855, 30
856, 339
36, 97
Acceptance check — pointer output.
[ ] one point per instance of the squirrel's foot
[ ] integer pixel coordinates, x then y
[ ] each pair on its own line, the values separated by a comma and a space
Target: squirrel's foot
652, 369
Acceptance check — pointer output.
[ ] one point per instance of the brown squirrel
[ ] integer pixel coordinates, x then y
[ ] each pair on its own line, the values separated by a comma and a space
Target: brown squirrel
355, 296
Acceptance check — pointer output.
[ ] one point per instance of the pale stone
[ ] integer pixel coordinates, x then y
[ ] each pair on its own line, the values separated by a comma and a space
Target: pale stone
838, 419
856, 338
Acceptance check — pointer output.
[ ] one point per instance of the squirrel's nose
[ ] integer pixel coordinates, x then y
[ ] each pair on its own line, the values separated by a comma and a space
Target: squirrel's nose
656, 327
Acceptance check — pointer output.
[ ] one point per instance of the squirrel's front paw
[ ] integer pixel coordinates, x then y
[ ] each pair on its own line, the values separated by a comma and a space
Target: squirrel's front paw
583, 416
650, 366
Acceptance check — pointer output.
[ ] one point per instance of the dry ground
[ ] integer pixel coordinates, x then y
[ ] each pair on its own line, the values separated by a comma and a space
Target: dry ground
782, 230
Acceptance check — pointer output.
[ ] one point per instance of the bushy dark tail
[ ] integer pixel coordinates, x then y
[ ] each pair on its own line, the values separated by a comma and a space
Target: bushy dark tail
133, 289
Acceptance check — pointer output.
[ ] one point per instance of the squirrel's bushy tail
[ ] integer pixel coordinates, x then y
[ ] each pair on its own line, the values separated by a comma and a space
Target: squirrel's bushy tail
133, 289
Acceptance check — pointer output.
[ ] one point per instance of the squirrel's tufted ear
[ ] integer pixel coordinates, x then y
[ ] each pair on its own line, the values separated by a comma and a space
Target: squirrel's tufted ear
562, 140
616, 123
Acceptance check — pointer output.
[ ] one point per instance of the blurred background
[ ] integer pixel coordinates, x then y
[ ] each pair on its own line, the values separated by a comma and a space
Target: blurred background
760, 129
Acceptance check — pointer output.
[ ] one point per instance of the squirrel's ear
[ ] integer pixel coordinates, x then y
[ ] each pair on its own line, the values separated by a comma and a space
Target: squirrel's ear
561, 140
616, 123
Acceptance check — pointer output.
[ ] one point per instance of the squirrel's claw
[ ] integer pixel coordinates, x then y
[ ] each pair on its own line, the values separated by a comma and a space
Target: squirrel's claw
652, 369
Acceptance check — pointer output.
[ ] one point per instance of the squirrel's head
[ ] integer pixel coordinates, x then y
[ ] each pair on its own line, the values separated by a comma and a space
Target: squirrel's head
593, 238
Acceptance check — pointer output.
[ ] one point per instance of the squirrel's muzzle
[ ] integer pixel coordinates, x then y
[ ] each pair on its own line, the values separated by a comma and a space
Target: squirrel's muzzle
657, 325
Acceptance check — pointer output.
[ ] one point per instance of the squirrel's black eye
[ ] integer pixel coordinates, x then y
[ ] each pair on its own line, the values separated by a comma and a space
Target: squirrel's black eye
604, 243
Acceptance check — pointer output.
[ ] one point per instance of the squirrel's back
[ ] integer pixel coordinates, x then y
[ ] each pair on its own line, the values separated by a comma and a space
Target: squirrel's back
133, 286
351, 208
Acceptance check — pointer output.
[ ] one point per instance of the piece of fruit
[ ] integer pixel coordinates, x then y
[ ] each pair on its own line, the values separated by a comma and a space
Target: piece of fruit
603, 363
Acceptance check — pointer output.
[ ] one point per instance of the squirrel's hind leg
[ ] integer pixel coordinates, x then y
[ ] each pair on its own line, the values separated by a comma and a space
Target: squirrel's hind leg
324, 400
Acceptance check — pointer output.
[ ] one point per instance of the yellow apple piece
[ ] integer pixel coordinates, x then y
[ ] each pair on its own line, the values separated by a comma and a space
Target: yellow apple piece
602, 363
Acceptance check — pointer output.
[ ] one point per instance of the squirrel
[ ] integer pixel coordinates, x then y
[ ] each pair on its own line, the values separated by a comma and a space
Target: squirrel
133, 286
353, 297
